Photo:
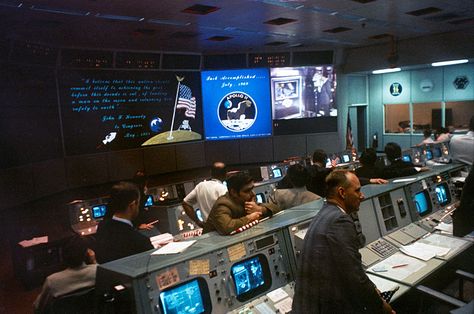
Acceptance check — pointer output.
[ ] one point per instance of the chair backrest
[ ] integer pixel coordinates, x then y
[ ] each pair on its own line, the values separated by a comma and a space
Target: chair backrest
77, 302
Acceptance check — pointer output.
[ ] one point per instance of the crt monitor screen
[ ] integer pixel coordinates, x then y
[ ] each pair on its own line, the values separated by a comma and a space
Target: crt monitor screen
251, 277
422, 203
345, 158
406, 158
99, 211
442, 194
188, 297
260, 198
149, 200
277, 173
429, 154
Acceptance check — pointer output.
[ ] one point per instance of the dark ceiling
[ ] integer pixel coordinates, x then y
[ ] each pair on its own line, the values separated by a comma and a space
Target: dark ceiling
229, 25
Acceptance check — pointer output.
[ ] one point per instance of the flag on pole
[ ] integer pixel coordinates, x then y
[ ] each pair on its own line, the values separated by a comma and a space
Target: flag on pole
349, 142
186, 101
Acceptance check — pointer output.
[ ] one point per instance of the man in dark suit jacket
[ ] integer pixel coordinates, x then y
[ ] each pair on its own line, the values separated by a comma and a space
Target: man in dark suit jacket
330, 277
116, 236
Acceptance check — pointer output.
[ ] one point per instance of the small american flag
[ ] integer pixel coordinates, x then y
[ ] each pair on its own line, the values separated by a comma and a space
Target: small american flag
349, 140
186, 101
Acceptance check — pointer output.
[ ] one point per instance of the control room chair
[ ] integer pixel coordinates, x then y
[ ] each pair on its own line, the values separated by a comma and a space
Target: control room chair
460, 305
78, 302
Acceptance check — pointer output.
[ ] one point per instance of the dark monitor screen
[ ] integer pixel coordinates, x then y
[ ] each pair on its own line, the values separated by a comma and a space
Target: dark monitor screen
442, 194
99, 211
149, 200
277, 173
251, 277
345, 158
436, 152
429, 154
260, 198
188, 297
422, 203
406, 158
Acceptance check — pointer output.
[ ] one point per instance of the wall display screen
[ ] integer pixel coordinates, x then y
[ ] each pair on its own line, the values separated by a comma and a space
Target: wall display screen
236, 104
113, 110
306, 94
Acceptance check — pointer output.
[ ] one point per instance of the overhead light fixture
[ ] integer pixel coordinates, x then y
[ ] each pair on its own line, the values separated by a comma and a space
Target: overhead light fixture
443, 63
389, 70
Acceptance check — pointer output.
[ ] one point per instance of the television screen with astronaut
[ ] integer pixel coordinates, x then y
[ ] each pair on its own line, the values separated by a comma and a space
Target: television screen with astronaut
236, 104
304, 94
114, 110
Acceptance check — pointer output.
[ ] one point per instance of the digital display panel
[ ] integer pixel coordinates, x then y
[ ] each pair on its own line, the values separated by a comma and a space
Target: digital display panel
99, 211
191, 297
114, 110
260, 198
236, 104
422, 203
429, 154
251, 277
149, 200
345, 158
277, 173
442, 194
406, 158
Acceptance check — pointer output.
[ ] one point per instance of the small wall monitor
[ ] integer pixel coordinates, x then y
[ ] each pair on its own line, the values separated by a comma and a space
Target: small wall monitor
251, 277
406, 158
277, 173
188, 297
236, 104
442, 194
260, 198
99, 211
149, 200
422, 203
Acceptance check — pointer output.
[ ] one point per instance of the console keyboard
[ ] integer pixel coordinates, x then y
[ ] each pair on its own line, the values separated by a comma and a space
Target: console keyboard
383, 248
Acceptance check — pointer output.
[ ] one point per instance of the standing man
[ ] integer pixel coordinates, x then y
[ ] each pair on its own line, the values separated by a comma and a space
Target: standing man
330, 277
205, 194
237, 207
116, 237
462, 146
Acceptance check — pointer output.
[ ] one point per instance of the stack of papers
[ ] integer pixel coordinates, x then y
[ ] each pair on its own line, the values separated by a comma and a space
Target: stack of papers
34, 241
161, 240
174, 247
424, 251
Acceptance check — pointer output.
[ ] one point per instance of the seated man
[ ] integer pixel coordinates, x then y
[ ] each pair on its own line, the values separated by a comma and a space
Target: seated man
397, 167
237, 207
318, 173
116, 236
286, 198
79, 274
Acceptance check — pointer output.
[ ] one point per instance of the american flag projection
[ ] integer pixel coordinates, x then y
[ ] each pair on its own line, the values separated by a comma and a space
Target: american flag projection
186, 101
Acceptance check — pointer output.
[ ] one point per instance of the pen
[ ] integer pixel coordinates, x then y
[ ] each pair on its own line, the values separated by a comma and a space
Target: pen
400, 265
153, 222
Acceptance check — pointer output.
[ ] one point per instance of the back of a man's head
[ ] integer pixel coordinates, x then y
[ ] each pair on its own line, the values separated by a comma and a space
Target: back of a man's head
368, 157
140, 179
74, 252
427, 133
337, 178
298, 175
121, 195
320, 156
237, 181
393, 151
219, 171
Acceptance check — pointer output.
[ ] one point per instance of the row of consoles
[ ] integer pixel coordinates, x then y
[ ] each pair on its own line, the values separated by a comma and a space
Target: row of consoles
253, 271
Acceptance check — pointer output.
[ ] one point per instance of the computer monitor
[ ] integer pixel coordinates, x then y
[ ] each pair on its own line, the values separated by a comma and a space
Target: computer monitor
346, 158
437, 152
191, 296
99, 211
429, 154
149, 200
442, 194
406, 158
422, 203
328, 163
276, 173
260, 198
251, 277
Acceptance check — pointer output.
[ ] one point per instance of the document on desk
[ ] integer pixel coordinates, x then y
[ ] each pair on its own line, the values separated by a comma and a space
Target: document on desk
174, 247
444, 241
403, 180
398, 266
381, 283
444, 227
285, 305
424, 251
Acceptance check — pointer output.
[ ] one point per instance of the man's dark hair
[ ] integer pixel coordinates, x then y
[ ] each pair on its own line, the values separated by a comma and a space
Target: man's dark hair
471, 124
74, 252
393, 151
298, 175
122, 194
368, 157
336, 179
427, 133
237, 181
320, 156
140, 179
219, 171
